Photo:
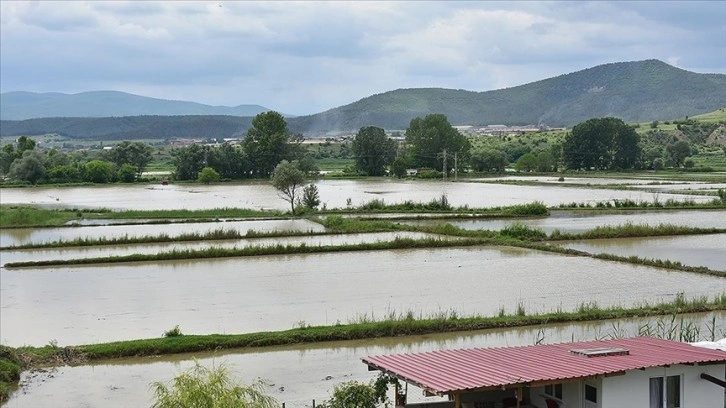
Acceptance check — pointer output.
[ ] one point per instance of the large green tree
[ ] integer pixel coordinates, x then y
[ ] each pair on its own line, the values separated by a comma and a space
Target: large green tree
30, 167
602, 143
137, 154
373, 151
430, 136
189, 161
678, 152
484, 159
266, 143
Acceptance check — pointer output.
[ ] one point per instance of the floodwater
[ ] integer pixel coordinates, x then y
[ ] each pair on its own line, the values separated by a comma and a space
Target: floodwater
333, 194
692, 250
100, 303
35, 255
581, 221
298, 374
19, 236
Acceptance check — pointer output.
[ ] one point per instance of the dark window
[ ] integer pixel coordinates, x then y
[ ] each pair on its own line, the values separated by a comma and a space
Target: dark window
553, 390
590, 393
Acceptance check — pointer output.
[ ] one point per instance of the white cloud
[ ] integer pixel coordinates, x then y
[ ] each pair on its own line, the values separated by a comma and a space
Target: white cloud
305, 57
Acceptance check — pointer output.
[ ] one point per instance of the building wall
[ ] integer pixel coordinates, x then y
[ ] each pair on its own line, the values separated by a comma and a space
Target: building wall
632, 389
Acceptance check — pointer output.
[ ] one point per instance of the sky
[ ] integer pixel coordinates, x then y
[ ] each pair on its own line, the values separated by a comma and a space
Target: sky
304, 57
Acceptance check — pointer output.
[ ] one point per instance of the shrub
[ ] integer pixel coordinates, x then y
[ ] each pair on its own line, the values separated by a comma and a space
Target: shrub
175, 332
523, 232
429, 174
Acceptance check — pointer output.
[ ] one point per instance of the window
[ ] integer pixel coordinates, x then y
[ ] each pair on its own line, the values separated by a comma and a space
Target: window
665, 392
590, 393
553, 390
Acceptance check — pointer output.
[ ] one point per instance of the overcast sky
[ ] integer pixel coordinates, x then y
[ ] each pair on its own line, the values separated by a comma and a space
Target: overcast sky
307, 57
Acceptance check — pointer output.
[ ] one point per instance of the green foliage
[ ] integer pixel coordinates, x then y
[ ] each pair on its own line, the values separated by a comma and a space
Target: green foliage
528, 162
288, 180
266, 143
136, 154
678, 152
173, 332
488, 160
429, 174
30, 167
399, 166
373, 151
202, 387
523, 232
208, 175
311, 197
126, 173
602, 143
98, 171
355, 394
430, 136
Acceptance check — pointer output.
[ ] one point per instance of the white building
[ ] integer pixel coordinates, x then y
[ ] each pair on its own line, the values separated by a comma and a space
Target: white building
640, 372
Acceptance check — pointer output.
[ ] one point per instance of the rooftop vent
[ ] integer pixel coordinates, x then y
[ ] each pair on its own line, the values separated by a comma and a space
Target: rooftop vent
601, 352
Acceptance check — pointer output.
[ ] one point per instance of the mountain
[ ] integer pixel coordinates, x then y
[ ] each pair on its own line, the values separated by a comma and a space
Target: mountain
29, 105
639, 91
634, 91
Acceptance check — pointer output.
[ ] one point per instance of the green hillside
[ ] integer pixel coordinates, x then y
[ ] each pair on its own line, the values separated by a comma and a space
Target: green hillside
634, 91
640, 91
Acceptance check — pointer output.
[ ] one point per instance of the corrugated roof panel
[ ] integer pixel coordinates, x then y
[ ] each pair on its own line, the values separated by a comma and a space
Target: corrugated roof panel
456, 370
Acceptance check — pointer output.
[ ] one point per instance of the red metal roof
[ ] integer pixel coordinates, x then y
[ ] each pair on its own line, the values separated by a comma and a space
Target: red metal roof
446, 371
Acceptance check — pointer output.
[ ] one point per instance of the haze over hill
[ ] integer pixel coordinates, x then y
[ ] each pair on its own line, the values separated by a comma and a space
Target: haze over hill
634, 91
29, 105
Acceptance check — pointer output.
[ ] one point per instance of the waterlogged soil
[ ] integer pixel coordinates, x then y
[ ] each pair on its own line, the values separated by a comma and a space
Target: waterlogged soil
581, 221
35, 255
19, 236
297, 375
333, 194
695, 250
101, 303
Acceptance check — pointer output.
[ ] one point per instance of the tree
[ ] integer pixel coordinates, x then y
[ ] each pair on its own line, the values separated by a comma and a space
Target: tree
201, 387
678, 152
399, 166
208, 175
488, 160
137, 154
528, 162
601, 143
545, 161
24, 143
98, 171
30, 167
126, 173
311, 196
229, 161
373, 151
266, 143
430, 136
288, 179
189, 161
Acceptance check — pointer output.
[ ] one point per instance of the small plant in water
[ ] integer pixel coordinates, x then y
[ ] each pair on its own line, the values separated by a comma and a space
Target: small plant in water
175, 332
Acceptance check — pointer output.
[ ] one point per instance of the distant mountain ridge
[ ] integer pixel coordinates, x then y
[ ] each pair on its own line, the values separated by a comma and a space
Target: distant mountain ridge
636, 91
633, 91
30, 105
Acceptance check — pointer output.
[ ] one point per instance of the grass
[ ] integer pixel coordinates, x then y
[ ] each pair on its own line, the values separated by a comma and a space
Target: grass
630, 230
35, 217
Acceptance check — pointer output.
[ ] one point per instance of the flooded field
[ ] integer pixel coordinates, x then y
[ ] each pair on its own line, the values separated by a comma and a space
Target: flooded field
19, 236
333, 193
581, 221
696, 250
297, 374
9, 256
90, 304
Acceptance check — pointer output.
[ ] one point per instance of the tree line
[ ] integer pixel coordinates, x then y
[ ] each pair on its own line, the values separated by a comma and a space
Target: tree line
430, 144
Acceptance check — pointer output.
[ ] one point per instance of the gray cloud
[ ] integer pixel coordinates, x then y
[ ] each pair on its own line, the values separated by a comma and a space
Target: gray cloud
305, 57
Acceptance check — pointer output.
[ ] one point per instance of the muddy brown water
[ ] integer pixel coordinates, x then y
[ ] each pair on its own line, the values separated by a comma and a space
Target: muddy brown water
100, 303
695, 250
333, 194
298, 374
581, 221
35, 255
19, 236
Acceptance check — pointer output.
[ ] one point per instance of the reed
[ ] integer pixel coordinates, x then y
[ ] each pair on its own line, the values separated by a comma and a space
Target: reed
630, 230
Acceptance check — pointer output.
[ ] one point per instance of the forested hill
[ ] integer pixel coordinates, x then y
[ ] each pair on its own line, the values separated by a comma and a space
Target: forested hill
638, 91
29, 105
633, 91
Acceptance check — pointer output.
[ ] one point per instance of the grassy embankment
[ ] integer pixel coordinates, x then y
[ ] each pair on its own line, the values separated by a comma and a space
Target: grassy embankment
14, 360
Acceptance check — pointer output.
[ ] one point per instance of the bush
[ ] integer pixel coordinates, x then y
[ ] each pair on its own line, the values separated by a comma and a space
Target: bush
429, 174
202, 387
523, 232
175, 332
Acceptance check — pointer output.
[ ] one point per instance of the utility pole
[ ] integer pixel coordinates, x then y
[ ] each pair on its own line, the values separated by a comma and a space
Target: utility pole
456, 166
445, 170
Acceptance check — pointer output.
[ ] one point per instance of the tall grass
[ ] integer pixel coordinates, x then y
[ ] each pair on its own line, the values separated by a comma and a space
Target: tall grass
630, 230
